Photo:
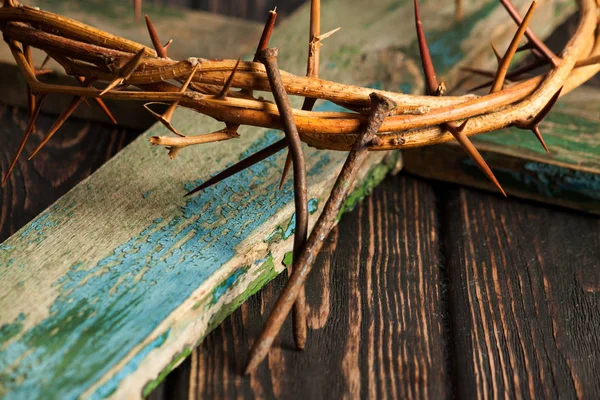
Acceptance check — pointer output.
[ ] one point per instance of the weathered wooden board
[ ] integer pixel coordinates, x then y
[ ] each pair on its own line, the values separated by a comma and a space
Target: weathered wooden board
376, 310
524, 295
112, 286
569, 176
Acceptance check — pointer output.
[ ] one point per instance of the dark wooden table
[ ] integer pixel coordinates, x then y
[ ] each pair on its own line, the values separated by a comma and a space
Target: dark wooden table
425, 290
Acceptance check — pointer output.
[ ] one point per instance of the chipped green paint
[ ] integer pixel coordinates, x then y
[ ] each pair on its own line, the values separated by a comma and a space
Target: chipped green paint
572, 139
227, 284
288, 259
280, 233
9, 331
374, 178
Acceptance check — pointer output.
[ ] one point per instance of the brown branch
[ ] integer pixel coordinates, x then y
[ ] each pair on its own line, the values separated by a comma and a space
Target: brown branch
304, 261
269, 58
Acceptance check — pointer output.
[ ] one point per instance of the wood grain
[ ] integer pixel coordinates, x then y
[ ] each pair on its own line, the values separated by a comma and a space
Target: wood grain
524, 298
376, 314
78, 149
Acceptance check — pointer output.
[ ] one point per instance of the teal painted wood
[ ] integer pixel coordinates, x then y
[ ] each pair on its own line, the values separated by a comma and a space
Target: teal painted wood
111, 287
569, 176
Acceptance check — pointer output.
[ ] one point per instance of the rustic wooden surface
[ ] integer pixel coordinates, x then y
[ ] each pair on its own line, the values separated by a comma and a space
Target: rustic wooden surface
569, 176
424, 289
428, 291
428, 336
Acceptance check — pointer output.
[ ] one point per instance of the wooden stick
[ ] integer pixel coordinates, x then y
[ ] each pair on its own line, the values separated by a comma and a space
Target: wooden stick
269, 58
381, 107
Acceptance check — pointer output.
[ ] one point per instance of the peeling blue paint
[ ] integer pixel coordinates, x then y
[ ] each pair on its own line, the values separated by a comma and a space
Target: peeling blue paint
224, 286
104, 310
109, 387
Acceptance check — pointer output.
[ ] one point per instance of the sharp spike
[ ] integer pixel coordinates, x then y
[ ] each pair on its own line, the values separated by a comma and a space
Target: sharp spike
160, 49
328, 34
286, 169
229, 81
125, 71
168, 44
496, 52
538, 134
242, 165
536, 42
100, 103
265, 37
46, 60
428, 69
165, 118
58, 123
510, 52
468, 146
547, 108
30, 128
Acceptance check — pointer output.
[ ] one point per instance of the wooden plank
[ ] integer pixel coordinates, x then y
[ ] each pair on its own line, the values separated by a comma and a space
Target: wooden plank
524, 293
79, 149
569, 176
376, 314
123, 276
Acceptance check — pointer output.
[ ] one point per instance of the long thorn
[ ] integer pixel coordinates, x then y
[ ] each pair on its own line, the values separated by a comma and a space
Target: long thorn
125, 71
166, 117
229, 81
428, 69
529, 33
100, 103
510, 52
242, 165
265, 37
28, 131
470, 149
160, 49
46, 59
381, 108
534, 123
62, 118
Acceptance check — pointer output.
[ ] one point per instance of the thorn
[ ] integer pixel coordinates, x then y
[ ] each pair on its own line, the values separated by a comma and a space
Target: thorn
525, 47
137, 10
538, 134
30, 95
62, 118
223, 94
30, 128
534, 123
265, 37
536, 42
510, 52
46, 60
324, 36
428, 68
168, 44
286, 169
165, 118
470, 149
160, 49
125, 71
100, 103
496, 52
242, 165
